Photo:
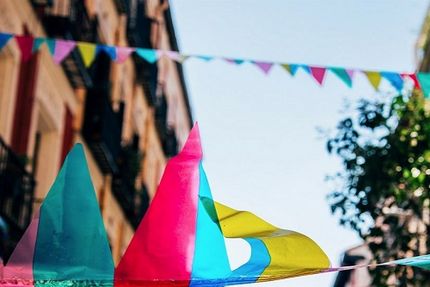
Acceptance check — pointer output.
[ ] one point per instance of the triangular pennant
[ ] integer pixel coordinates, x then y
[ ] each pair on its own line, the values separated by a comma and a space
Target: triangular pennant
20, 263
37, 44
318, 73
88, 52
66, 247
234, 61
351, 73
62, 50
374, 78
50, 43
183, 58
204, 58
290, 68
424, 79
25, 44
173, 55
4, 38
264, 66
148, 55
122, 53
343, 75
394, 78
165, 250
109, 50
413, 78
306, 68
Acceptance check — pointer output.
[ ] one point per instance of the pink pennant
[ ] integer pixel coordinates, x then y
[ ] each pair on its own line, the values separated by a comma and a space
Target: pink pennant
173, 55
122, 54
264, 66
318, 73
62, 50
20, 264
25, 44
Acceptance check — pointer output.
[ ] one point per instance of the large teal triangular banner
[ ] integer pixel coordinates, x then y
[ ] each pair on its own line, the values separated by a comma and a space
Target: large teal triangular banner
71, 240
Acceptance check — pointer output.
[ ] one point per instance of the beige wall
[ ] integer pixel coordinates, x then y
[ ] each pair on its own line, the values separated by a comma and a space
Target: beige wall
53, 93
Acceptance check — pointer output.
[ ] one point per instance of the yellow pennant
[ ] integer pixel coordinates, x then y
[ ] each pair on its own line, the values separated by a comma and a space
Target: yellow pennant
374, 79
88, 52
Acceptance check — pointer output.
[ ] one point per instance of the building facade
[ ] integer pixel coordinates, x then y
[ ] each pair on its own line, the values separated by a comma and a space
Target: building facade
131, 117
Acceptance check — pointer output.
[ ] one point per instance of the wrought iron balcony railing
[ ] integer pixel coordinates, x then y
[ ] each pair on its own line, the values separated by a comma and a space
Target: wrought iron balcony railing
16, 194
167, 134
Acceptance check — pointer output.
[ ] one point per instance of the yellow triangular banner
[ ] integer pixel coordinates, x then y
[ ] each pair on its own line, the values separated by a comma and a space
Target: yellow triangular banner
287, 68
88, 52
374, 79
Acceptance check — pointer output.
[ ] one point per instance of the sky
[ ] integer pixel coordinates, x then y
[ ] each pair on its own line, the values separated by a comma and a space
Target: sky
263, 152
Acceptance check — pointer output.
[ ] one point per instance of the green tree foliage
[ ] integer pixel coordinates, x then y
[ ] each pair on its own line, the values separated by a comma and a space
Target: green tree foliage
385, 183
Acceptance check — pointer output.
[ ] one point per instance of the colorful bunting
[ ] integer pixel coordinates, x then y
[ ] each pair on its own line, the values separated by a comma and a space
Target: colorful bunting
88, 52
25, 44
424, 79
318, 73
204, 58
4, 38
148, 55
374, 79
234, 61
179, 242
62, 50
109, 50
394, 78
264, 66
343, 75
38, 42
122, 53
290, 68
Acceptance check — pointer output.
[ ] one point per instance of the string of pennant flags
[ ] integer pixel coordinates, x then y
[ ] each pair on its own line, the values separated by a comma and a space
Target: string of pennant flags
60, 49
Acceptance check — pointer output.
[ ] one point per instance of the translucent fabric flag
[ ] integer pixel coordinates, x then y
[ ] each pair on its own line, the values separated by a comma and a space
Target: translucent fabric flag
66, 242
122, 53
109, 50
38, 42
394, 78
62, 50
318, 73
343, 75
374, 79
4, 38
424, 79
88, 52
265, 67
291, 68
181, 238
25, 44
147, 54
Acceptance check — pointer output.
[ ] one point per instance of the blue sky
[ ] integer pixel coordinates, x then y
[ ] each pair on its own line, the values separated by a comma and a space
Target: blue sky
262, 149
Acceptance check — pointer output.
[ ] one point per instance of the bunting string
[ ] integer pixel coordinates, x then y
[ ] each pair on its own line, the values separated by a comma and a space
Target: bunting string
60, 49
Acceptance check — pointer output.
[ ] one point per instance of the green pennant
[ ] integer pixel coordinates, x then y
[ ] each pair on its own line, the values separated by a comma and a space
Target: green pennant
38, 42
424, 79
343, 75
71, 240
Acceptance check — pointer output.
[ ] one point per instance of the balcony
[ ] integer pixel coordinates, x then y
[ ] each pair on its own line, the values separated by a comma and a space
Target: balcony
102, 129
147, 76
16, 193
133, 202
77, 25
167, 134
